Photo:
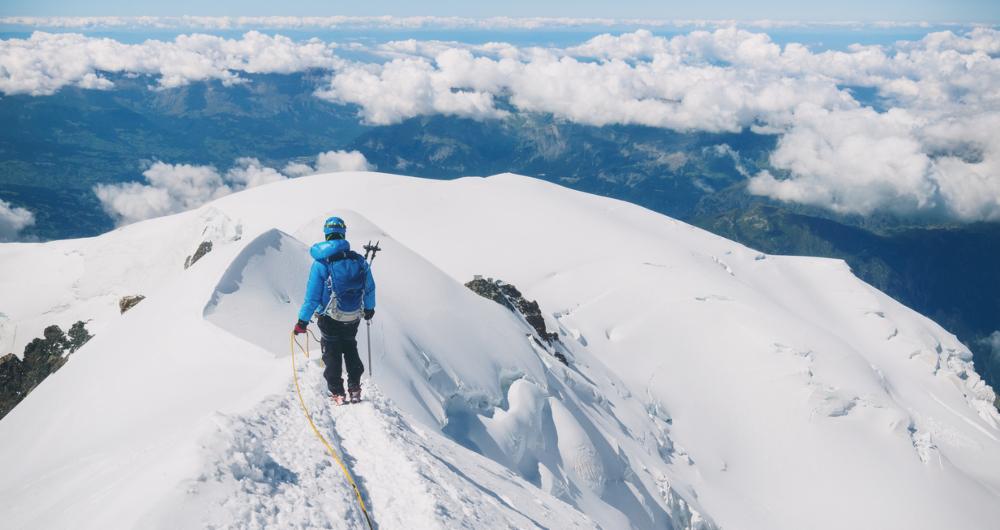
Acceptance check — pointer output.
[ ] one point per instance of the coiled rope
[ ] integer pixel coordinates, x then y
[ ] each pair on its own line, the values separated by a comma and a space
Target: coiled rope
329, 448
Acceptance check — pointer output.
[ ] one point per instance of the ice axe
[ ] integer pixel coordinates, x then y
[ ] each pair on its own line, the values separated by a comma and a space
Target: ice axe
370, 252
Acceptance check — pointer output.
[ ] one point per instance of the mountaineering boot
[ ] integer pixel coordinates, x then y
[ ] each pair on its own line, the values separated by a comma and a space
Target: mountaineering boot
338, 399
355, 394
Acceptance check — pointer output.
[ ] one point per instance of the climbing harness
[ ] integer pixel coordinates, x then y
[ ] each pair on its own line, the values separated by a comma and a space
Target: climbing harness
329, 448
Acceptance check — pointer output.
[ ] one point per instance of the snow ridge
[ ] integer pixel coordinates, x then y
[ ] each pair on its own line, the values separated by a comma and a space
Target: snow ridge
272, 473
710, 386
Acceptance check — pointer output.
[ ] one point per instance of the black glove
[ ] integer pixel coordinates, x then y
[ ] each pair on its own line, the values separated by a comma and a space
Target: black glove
369, 313
300, 327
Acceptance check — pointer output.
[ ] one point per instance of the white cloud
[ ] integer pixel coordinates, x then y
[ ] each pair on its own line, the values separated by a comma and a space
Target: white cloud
417, 22
13, 219
172, 188
249, 173
403, 88
298, 169
851, 162
665, 91
330, 162
992, 341
933, 153
46, 62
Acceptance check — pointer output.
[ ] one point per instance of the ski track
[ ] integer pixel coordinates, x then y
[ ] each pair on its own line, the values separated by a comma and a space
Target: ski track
272, 472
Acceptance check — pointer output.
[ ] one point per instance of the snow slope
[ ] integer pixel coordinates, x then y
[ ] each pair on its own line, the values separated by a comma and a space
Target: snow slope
709, 386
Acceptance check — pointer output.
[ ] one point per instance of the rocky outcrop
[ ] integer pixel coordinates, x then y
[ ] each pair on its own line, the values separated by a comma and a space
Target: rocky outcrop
11, 382
510, 297
204, 248
128, 302
42, 357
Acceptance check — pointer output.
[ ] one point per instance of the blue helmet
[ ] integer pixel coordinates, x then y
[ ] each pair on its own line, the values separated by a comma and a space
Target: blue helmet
334, 225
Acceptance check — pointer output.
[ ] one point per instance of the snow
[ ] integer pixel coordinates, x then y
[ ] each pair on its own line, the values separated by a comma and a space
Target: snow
710, 386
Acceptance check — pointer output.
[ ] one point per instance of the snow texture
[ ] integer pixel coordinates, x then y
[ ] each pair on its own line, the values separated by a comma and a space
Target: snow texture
709, 386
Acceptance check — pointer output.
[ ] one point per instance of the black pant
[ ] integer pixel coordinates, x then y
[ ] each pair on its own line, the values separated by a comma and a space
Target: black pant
338, 339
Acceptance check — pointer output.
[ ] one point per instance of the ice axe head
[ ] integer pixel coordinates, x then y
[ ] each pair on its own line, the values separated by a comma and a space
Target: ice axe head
372, 250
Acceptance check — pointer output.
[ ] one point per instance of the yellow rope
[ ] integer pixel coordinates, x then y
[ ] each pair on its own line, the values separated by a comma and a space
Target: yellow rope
329, 448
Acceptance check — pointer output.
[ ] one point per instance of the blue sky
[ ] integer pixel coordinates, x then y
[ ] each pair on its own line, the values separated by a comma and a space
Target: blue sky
858, 10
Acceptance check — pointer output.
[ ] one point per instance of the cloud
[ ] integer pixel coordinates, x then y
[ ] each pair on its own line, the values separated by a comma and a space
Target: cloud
13, 219
404, 88
665, 91
173, 188
330, 162
851, 162
250, 173
932, 153
46, 62
170, 188
992, 342
903, 162
425, 22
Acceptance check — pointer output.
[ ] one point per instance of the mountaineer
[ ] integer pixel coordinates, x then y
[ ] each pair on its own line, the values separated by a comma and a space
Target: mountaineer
340, 292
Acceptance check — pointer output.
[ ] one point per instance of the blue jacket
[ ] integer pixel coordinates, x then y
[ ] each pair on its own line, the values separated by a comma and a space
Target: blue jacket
337, 268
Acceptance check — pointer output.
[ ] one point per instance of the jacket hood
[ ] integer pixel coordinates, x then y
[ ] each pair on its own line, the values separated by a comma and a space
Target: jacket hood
325, 249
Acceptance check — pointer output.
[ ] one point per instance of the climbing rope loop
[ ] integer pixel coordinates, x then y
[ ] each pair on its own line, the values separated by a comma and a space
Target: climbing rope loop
329, 448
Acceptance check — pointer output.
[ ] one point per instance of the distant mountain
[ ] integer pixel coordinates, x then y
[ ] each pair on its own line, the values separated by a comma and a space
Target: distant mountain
54, 149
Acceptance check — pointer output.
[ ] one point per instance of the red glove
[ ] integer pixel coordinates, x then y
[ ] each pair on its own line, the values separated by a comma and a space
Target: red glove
300, 327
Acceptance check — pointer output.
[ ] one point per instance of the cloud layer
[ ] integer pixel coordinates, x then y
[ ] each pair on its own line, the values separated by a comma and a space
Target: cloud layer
172, 188
13, 219
928, 150
46, 62
932, 153
421, 22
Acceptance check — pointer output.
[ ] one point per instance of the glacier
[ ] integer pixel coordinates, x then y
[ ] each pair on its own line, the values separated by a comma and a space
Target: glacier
708, 386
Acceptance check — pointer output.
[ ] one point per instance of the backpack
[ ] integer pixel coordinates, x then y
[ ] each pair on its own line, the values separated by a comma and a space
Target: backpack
346, 276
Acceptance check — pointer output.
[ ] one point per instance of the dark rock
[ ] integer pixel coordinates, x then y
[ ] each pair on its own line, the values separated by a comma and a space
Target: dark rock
78, 336
42, 357
508, 296
11, 382
204, 248
127, 302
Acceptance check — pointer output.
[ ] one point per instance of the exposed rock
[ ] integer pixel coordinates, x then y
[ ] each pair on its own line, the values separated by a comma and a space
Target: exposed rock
508, 296
204, 248
126, 303
42, 357
78, 336
11, 382
45, 355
